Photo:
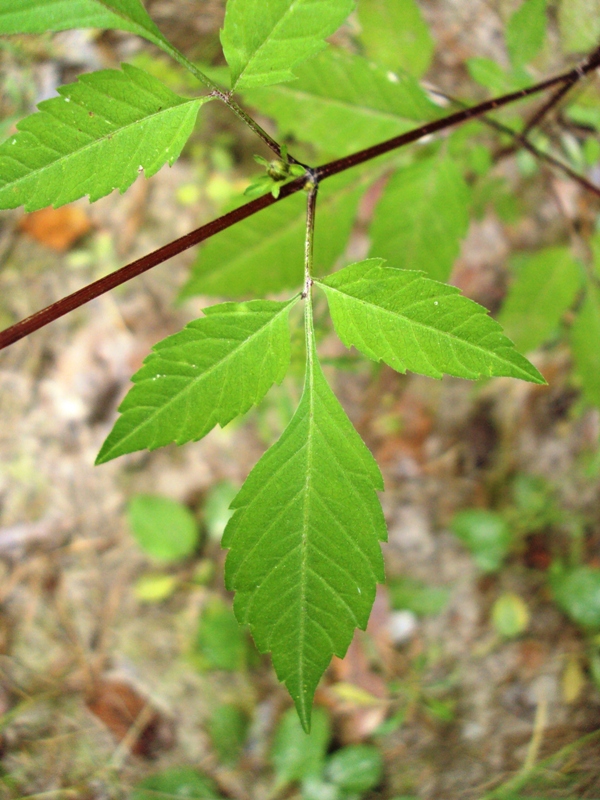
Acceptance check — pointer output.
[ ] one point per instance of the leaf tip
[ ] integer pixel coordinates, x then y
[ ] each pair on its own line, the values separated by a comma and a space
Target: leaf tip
304, 710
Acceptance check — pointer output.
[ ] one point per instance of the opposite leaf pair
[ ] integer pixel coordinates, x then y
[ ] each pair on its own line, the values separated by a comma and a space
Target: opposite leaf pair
304, 555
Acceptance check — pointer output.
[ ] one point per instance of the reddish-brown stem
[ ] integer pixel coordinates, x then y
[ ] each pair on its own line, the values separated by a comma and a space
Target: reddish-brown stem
143, 264
527, 145
93, 290
334, 167
539, 115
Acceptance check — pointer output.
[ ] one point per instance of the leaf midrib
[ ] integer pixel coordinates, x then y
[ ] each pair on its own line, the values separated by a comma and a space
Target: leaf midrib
269, 36
201, 377
423, 326
305, 519
345, 105
281, 231
96, 142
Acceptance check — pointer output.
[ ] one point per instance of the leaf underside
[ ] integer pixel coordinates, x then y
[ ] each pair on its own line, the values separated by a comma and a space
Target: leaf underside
263, 41
411, 322
545, 286
422, 216
37, 16
342, 102
395, 34
304, 556
585, 335
266, 252
96, 137
216, 368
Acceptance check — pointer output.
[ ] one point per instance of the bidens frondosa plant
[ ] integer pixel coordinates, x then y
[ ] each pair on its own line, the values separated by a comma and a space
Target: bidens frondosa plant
304, 540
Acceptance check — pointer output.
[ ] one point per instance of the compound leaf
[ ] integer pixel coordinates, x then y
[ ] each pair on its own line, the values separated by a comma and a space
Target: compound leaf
97, 136
422, 216
342, 102
216, 368
395, 34
304, 556
265, 253
544, 288
411, 322
262, 41
37, 16
585, 335
526, 32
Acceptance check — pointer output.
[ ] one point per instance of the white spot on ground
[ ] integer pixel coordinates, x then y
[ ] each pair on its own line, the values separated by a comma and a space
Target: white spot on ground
392, 77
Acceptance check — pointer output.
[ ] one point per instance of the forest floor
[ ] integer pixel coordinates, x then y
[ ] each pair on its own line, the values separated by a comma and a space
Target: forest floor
98, 688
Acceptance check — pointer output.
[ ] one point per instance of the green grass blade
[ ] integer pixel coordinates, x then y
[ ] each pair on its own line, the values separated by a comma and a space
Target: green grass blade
411, 322
263, 42
304, 556
97, 136
216, 368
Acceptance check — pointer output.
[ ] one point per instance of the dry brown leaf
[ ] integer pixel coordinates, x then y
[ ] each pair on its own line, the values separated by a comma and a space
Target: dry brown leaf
130, 716
57, 228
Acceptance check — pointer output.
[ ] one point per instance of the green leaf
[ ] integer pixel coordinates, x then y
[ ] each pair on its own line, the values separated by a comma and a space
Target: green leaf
510, 615
489, 74
492, 76
266, 252
216, 368
544, 288
37, 16
304, 555
163, 528
585, 335
342, 103
154, 588
486, 535
315, 788
126, 121
526, 32
221, 643
296, 755
579, 22
422, 216
577, 593
228, 729
357, 768
216, 508
411, 322
178, 782
409, 594
263, 42
395, 35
